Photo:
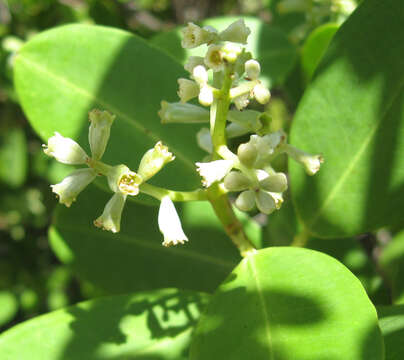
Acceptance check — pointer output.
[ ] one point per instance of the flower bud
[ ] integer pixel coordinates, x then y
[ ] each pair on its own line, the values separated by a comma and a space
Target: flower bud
276, 182
188, 89
236, 181
214, 58
236, 32
200, 75
193, 36
98, 135
247, 154
122, 179
231, 51
170, 224
213, 171
154, 160
206, 96
246, 200
72, 185
110, 219
193, 62
265, 202
242, 101
65, 150
182, 113
252, 69
204, 140
310, 162
261, 94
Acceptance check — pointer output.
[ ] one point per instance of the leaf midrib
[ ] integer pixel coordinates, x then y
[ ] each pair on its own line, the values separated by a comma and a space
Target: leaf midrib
356, 158
127, 118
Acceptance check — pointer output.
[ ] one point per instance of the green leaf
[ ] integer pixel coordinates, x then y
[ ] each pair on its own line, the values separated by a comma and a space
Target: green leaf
150, 325
392, 262
267, 44
289, 303
8, 307
314, 48
134, 259
353, 114
13, 157
63, 73
391, 320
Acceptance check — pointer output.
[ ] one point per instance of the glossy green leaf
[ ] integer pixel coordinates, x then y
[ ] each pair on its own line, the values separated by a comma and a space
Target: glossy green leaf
314, 48
154, 325
63, 73
134, 259
391, 321
267, 44
353, 113
392, 262
289, 303
13, 157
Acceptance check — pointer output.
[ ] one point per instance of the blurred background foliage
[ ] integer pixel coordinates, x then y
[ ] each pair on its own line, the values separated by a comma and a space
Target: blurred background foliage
32, 280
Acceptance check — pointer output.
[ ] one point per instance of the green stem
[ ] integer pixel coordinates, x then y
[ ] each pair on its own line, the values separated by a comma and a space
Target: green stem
159, 193
99, 166
218, 199
232, 226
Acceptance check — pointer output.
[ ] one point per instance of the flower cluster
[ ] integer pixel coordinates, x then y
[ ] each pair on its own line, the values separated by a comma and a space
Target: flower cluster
234, 79
121, 180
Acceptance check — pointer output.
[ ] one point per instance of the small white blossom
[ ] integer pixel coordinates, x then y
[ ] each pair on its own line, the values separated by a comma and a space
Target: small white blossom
110, 219
252, 69
242, 101
70, 187
193, 62
170, 224
200, 75
206, 95
65, 150
213, 171
231, 51
214, 58
194, 35
122, 179
261, 93
98, 134
188, 89
154, 160
236, 32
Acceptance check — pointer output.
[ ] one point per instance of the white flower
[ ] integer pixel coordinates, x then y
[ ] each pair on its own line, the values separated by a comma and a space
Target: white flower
261, 93
214, 58
206, 95
69, 188
252, 69
170, 224
231, 51
122, 179
65, 150
200, 75
213, 171
98, 135
193, 36
193, 62
154, 160
242, 101
236, 32
111, 217
188, 89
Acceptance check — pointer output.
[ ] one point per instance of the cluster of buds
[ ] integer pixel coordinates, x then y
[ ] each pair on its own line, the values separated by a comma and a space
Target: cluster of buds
316, 12
121, 180
249, 171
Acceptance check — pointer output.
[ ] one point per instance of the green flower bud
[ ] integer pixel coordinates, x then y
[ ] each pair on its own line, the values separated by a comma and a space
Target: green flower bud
247, 154
246, 200
122, 179
265, 202
110, 219
72, 185
236, 32
310, 162
188, 89
236, 181
206, 95
98, 135
276, 182
154, 160
261, 94
182, 113
252, 69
